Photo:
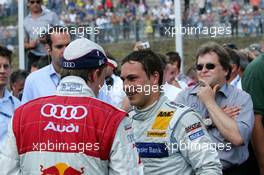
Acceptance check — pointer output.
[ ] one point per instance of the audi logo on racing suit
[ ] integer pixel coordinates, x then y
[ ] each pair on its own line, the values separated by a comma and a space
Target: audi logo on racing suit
68, 64
64, 112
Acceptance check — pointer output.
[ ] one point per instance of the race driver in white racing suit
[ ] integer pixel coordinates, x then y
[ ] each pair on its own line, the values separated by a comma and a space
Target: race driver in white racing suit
171, 138
72, 132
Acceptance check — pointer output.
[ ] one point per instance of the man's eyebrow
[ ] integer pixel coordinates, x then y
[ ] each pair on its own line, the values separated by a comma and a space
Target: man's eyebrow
128, 76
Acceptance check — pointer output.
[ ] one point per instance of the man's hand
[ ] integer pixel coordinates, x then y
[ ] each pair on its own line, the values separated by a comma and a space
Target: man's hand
231, 111
205, 93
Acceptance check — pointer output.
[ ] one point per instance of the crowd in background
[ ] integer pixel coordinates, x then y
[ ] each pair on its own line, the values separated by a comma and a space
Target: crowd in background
133, 20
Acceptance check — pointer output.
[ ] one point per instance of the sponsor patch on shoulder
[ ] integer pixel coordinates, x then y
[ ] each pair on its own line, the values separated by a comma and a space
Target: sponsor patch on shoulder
156, 134
175, 105
72, 87
162, 120
196, 135
193, 127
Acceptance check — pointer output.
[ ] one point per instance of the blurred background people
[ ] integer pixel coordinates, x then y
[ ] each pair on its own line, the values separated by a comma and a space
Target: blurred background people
35, 26
175, 61
57, 39
8, 103
17, 81
112, 91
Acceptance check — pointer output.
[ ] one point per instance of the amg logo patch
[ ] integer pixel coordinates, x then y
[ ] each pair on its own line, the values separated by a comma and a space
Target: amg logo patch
165, 113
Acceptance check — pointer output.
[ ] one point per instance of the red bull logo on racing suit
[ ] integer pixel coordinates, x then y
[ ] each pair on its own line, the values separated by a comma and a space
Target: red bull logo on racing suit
60, 169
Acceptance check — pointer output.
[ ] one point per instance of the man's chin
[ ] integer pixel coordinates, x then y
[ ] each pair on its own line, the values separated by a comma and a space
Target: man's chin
133, 103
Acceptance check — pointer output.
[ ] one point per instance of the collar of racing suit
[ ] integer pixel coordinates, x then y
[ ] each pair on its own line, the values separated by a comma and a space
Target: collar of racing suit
146, 113
74, 86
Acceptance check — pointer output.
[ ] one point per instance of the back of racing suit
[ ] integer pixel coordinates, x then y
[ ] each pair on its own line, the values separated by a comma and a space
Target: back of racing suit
172, 140
70, 133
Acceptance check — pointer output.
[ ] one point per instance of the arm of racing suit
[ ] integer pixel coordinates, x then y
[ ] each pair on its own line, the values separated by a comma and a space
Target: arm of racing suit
198, 149
9, 159
124, 158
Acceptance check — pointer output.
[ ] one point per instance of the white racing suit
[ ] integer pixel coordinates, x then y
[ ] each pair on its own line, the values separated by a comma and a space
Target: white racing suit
70, 133
172, 140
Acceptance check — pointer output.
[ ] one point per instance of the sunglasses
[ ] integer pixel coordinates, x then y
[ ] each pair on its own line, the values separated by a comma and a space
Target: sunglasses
208, 66
61, 46
33, 2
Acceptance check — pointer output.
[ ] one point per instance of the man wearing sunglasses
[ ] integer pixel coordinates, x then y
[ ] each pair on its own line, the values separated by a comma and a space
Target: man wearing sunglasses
170, 137
44, 81
35, 22
229, 130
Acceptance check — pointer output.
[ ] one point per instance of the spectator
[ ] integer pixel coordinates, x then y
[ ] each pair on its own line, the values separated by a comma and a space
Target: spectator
211, 98
175, 61
57, 40
17, 81
255, 50
192, 76
244, 61
8, 103
161, 125
35, 24
101, 133
170, 87
233, 18
115, 19
127, 25
112, 90
244, 20
149, 27
41, 63
253, 83
235, 79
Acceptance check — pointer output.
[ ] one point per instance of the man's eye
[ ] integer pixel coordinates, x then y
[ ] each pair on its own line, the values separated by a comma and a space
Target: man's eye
6, 66
131, 78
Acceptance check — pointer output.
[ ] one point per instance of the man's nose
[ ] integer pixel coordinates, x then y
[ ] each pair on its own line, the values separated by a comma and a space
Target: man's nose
2, 69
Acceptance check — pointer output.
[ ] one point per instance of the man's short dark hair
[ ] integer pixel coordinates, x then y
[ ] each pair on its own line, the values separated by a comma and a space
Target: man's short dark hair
150, 61
56, 29
173, 58
243, 61
42, 62
18, 75
224, 57
4, 52
234, 56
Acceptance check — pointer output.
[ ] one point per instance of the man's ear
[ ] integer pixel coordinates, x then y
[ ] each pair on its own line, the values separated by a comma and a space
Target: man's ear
154, 78
94, 75
47, 47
